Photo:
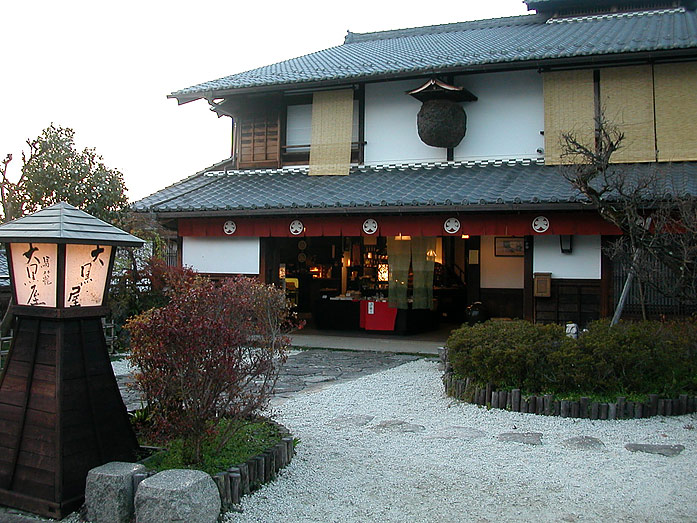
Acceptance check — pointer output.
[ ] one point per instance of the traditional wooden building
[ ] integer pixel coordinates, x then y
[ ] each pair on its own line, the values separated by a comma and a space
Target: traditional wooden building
418, 169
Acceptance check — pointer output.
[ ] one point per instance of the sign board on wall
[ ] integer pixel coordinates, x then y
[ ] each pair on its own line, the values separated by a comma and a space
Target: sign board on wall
221, 255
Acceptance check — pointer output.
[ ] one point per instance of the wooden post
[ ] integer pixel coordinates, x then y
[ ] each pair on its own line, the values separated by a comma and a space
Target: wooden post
564, 409
528, 283
515, 400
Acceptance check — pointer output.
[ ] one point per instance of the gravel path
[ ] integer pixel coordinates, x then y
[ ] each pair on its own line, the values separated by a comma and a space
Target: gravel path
391, 447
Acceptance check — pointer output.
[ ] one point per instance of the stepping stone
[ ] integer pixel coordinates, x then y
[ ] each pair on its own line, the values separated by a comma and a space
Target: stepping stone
583, 443
396, 425
663, 450
529, 438
357, 420
458, 432
318, 379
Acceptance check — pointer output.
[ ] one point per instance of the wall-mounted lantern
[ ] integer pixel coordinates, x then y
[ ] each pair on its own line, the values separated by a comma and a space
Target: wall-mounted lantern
566, 243
60, 405
441, 121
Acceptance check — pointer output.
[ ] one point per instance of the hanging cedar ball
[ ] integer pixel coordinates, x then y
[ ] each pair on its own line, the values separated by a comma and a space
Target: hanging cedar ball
441, 123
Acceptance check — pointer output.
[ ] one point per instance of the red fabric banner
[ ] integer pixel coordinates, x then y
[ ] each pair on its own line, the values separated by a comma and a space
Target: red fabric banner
483, 224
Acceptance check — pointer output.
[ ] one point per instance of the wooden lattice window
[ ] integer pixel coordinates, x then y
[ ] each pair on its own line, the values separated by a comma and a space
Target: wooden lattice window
259, 141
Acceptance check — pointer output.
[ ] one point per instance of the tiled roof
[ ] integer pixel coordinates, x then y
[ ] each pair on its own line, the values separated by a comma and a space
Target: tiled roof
449, 47
473, 185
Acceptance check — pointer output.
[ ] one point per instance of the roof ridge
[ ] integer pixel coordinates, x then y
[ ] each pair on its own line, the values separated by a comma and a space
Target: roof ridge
394, 166
611, 16
442, 28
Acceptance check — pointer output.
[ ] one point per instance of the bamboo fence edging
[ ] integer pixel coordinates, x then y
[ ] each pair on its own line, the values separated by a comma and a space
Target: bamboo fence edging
548, 405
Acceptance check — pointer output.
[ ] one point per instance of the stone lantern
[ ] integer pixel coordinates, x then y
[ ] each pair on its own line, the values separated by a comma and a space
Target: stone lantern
61, 413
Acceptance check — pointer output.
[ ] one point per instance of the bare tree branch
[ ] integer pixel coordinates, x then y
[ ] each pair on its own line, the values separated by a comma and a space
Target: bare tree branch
630, 198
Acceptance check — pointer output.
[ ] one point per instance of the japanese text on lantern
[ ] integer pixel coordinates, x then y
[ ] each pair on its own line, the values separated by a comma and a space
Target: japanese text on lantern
34, 266
86, 272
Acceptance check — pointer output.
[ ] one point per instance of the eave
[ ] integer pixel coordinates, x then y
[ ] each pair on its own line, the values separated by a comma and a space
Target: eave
575, 62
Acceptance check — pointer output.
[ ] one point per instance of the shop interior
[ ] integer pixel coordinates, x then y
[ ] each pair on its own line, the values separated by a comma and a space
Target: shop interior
344, 283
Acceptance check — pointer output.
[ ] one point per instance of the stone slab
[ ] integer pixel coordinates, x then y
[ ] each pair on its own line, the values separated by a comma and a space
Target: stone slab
457, 432
529, 438
663, 450
351, 420
583, 443
396, 425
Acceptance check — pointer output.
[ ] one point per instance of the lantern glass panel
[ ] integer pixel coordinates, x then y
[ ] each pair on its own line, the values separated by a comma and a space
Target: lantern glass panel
34, 267
86, 273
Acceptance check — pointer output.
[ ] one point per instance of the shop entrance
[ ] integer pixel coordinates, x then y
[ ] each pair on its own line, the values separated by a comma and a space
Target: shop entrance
342, 283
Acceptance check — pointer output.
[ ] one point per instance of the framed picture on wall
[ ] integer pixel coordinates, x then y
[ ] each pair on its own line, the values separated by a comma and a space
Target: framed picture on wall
505, 246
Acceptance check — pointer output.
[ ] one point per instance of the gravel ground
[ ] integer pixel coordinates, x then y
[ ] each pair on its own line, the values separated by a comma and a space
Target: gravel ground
391, 447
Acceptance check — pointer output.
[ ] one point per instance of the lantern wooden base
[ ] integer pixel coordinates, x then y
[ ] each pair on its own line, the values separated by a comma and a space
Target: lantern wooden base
61, 414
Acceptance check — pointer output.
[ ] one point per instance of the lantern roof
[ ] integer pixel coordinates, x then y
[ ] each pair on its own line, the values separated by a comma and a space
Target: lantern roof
63, 223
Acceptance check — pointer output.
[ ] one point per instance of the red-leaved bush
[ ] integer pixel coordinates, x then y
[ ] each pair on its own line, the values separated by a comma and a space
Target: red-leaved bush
213, 351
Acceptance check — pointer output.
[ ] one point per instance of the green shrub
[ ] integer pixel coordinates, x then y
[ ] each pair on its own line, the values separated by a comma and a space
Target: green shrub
640, 357
510, 354
628, 359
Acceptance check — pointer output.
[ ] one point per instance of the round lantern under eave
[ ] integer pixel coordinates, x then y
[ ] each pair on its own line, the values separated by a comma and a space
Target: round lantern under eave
441, 121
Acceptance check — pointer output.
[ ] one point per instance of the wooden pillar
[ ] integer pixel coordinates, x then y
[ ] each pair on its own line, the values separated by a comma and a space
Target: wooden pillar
528, 296
473, 270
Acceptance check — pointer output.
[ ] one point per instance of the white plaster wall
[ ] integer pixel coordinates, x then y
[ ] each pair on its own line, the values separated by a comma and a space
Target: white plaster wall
498, 272
390, 125
506, 120
221, 255
582, 263
299, 125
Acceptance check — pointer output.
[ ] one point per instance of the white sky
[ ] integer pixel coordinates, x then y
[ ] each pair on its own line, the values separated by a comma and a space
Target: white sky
105, 68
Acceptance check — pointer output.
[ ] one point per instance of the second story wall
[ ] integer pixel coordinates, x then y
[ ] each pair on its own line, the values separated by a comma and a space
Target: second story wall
390, 125
505, 122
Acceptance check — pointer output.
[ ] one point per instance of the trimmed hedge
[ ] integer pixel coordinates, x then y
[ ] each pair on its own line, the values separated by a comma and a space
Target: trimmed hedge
631, 358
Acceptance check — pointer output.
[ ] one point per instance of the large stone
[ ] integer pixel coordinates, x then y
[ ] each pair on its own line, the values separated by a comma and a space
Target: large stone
109, 492
178, 495
529, 438
663, 450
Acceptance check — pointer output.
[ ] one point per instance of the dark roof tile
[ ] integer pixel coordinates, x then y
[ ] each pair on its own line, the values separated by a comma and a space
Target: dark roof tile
466, 44
454, 183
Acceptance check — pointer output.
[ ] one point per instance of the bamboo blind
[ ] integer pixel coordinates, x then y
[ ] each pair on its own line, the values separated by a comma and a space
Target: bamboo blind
332, 125
676, 111
569, 108
626, 97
